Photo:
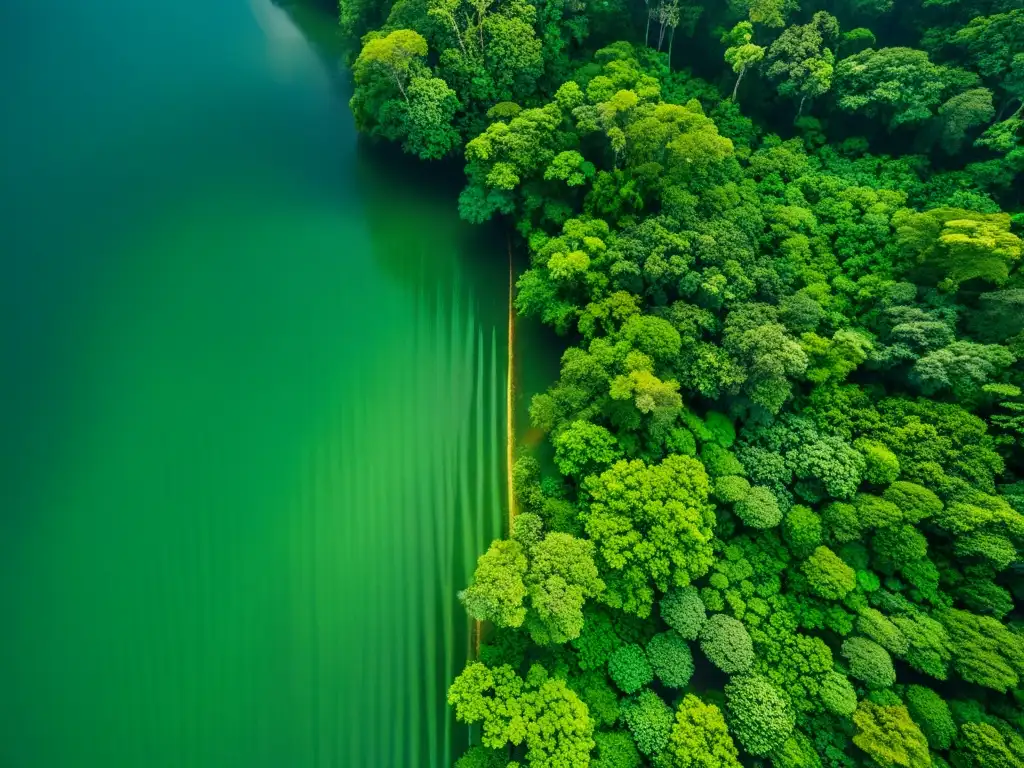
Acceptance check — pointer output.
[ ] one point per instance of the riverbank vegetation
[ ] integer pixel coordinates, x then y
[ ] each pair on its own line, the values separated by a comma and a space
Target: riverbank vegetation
782, 243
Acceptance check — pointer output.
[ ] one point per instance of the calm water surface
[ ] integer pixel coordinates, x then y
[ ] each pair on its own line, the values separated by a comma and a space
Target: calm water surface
252, 403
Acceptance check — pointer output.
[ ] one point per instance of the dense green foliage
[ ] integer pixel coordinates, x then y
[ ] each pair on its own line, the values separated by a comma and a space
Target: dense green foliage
784, 517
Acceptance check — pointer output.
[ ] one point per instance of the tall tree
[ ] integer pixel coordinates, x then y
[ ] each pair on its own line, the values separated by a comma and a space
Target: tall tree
898, 85
741, 53
800, 61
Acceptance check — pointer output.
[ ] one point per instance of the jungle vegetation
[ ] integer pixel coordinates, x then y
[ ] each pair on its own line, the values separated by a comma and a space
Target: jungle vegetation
782, 242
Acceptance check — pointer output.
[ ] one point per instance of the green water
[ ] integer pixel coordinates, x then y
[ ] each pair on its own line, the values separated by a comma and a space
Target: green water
252, 403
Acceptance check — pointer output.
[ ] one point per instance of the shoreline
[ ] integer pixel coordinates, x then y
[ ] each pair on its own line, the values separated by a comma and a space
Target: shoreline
510, 443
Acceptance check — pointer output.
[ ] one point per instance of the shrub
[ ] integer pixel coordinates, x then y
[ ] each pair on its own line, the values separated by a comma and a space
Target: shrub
827, 575
726, 643
915, 502
802, 530
671, 659
869, 662
649, 719
730, 489
759, 715
759, 508
838, 695
629, 668
683, 610
615, 749
931, 713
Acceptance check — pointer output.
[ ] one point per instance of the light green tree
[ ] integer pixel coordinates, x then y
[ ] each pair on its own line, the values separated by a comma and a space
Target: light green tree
583, 447
540, 712
889, 736
700, 738
498, 588
759, 715
394, 55
869, 662
651, 525
538, 580
827, 574
741, 53
727, 644
955, 245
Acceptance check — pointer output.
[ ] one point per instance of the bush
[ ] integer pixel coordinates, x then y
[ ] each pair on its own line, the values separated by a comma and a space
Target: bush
671, 659
827, 575
683, 610
629, 668
882, 466
802, 530
721, 429
876, 626
759, 508
869, 662
759, 715
719, 461
649, 719
731, 489
931, 713
890, 737
838, 695
915, 502
727, 645
700, 738
615, 749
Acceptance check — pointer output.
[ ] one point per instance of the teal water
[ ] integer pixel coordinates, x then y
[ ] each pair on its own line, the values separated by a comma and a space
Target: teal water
252, 402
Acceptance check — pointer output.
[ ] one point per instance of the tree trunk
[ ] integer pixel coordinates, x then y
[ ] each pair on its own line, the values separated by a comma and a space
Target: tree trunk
647, 33
458, 35
398, 82
1003, 109
801, 110
661, 36
671, 39
736, 87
